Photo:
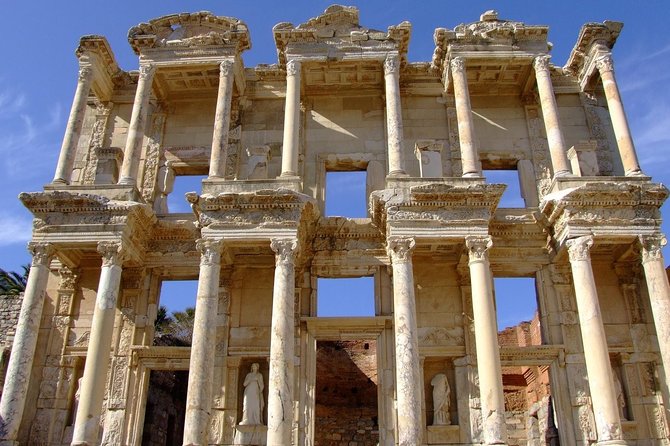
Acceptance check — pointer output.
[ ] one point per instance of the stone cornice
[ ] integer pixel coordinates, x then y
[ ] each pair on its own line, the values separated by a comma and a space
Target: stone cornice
593, 39
95, 50
190, 30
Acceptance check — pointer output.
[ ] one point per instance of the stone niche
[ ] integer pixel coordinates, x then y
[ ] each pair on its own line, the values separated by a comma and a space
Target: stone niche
437, 433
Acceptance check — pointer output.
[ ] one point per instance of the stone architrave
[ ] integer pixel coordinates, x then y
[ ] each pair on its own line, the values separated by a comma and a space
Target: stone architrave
25, 342
466, 127
486, 339
624, 140
138, 120
290, 147
203, 346
394, 129
559, 158
598, 365
408, 380
282, 338
92, 390
74, 125
219, 156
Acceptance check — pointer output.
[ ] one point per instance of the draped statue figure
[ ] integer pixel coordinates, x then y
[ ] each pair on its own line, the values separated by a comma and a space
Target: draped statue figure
441, 400
253, 403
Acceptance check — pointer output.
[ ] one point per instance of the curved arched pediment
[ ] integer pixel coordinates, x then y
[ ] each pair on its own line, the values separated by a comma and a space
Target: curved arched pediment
190, 29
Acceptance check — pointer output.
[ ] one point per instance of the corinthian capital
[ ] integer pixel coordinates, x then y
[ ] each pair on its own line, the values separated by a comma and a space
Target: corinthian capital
146, 71
42, 253
292, 67
457, 65
579, 248
226, 68
210, 251
605, 63
400, 249
285, 250
85, 73
651, 247
391, 64
478, 246
111, 252
541, 63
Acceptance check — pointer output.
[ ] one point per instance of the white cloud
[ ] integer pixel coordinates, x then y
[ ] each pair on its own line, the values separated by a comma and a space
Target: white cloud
14, 230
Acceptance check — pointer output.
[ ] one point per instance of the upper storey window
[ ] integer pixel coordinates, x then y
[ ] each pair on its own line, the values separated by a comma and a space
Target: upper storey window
346, 194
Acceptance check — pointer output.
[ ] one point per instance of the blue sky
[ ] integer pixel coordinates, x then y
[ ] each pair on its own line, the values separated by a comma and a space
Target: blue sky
39, 70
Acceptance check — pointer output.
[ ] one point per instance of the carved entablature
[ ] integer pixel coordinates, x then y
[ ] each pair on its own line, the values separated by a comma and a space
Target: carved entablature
336, 33
458, 210
594, 39
94, 51
190, 30
491, 32
605, 209
173, 237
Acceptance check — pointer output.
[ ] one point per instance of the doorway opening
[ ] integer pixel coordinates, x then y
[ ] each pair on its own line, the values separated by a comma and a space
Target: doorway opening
166, 408
346, 393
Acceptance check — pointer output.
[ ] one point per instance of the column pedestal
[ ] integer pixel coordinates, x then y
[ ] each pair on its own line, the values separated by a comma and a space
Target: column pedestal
466, 128
408, 379
291, 144
203, 347
25, 341
92, 391
494, 429
219, 156
598, 366
282, 339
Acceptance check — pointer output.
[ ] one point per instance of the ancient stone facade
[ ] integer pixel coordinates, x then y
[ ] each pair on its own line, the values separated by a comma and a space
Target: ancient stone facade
344, 97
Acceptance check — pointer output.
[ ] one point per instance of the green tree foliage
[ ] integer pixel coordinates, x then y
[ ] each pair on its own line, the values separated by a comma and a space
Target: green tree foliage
179, 325
12, 282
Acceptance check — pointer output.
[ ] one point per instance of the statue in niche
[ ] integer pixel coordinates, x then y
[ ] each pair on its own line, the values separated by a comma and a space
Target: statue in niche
165, 185
252, 404
620, 398
441, 400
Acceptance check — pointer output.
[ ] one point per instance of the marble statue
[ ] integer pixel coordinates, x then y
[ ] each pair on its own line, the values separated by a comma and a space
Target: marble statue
252, 405
441, 395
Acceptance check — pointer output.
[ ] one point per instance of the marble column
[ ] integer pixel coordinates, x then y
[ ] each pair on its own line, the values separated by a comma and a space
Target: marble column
291, 144
408, 379
203, 346
598, 366
394, 128
74, 123
219, 156
93, 384
557, 151
659, 295
624, 139
282, 339
24, 345
138, 121
494, 430
466, 127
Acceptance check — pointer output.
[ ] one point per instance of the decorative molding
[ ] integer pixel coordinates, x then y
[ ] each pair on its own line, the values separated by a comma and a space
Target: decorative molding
392, 64
285, 250
652, 246
210, 251
111, 252
605, 63
292, 67
85, 74
42, 253
478, 247
458, 65
400, 249
541, 63
579, 248
226, 68
147, 71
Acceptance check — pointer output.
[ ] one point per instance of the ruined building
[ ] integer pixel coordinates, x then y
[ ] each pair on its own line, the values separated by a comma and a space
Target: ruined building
343, 97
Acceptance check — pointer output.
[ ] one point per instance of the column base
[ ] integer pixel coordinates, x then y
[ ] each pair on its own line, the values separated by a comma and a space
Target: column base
57, 182
472, 175
290, 175
563, 174
635, 173
612, 442
127, 181
397, 173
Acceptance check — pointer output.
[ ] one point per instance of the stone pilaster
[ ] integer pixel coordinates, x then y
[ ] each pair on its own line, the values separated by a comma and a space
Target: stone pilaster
394, 128
282, 339
598, 366
545, 88
408, 379
25, 341
203, 347
466, 128
291, 144
624, 139
74, 123
486, 339
138, 118
219, 156
92, 391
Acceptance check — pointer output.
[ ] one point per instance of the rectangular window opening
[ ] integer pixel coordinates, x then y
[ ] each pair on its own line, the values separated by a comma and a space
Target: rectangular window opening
176, 313
175, 201
517, 312
346, 194
353, 297
512, 197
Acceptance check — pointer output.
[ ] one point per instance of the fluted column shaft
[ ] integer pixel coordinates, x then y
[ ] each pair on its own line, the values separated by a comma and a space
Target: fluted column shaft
74, 124
394, 127
408, 380
466, 127
93, 384
25, 341
486, 338
219, 156
282, 338
203, 345
659, 295
598, 366
291, 144
624, 139
138, 121
559, 156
